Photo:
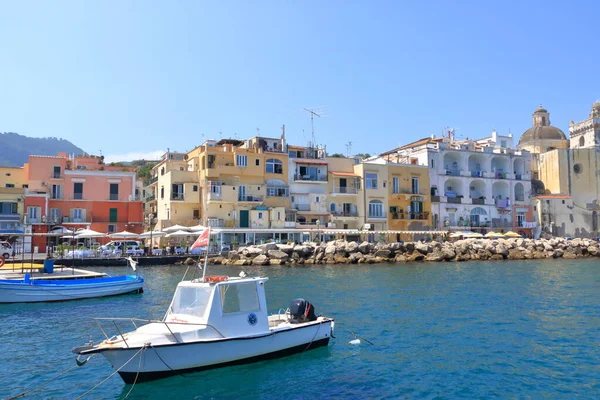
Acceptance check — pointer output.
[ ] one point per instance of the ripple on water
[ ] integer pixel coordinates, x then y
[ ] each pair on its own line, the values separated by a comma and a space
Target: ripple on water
452, 331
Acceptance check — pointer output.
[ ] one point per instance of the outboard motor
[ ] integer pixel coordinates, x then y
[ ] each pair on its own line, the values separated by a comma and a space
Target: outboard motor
302, 311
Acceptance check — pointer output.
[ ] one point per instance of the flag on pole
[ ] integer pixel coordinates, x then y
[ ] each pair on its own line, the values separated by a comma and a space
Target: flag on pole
202, 240
132, 263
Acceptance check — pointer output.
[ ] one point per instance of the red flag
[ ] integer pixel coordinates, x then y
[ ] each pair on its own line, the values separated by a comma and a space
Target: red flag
202, 240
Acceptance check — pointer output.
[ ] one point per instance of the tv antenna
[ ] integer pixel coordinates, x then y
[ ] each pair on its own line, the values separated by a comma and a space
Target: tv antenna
348, 149
319, 112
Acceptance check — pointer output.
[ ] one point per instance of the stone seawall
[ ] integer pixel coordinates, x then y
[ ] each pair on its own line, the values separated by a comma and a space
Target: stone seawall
342, 252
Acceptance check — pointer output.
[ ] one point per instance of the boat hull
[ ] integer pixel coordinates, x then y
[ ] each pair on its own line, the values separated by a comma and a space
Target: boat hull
63, 290
173, 359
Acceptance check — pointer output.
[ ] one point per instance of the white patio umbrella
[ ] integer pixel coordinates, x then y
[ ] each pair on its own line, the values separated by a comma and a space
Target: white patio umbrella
88, 234
182, 234
493, 235
176, 228
473, 235
124, 235
148, 235
197, 228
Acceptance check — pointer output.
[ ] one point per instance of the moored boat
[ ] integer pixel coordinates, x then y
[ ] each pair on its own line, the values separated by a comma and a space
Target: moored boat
212, 322
28, 290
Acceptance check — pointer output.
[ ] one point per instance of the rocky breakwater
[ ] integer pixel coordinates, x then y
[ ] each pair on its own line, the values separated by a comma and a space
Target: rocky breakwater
342, 252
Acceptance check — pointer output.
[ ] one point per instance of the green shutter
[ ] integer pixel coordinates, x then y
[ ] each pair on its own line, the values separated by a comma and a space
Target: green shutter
112, 215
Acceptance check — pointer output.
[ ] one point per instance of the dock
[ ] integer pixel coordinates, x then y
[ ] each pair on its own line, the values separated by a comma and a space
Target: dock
36, 271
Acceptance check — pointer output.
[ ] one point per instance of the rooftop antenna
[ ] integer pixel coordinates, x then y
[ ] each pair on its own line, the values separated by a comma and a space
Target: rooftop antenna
348, 149
220, 135
257, 131
319, 112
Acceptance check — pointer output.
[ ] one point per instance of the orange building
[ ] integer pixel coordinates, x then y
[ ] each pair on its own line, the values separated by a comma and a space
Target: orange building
80, 192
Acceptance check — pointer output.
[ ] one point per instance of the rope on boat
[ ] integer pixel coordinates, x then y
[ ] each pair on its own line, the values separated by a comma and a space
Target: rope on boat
117, 370
137, 374
35, 388
360, 337
313, 339
160, 358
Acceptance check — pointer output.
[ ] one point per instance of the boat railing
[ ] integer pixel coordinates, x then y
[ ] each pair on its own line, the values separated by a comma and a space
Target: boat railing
147, 321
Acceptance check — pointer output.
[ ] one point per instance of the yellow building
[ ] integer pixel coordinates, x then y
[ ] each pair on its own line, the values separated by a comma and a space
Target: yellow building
13, 184
409, 197
173, 195
243, 183
343, 190
373, 195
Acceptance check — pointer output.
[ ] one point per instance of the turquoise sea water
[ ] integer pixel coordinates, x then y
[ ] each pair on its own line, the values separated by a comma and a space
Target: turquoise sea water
440, 331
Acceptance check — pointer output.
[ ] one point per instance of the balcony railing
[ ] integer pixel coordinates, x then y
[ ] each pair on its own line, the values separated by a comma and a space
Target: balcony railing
501, 203
345, 190
381, 215
154, 179
453, 172
113, 196
177, 197
250, 197
478, 201
77, 196
312, 178
518, 177
216, 223
9, 216
345, 213
302, 207
519, 197
455, 200
410, 215
56, 175
435, 199
151, 198
477, 173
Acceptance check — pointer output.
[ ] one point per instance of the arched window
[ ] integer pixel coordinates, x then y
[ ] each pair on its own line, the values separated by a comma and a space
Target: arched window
332, 208
274, 166
581, 141
376, 209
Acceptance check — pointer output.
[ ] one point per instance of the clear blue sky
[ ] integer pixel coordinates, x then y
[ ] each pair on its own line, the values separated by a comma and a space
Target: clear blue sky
141, 76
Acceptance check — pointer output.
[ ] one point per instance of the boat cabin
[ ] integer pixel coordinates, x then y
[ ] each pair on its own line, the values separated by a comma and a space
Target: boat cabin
233, 306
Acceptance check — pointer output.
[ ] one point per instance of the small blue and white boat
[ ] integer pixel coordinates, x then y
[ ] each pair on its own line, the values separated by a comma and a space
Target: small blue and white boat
29, 290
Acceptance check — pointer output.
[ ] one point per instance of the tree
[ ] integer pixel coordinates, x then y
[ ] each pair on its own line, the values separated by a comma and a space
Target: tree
337, 155
363, 155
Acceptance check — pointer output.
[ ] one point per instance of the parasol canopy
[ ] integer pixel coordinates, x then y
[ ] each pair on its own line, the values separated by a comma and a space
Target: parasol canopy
124, 235
176, 228
148, 235
512, 234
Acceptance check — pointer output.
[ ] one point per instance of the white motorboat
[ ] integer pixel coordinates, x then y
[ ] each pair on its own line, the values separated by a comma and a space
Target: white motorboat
212, 322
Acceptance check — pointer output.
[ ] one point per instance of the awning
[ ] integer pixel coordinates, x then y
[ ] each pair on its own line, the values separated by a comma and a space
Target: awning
345, 174
309, 161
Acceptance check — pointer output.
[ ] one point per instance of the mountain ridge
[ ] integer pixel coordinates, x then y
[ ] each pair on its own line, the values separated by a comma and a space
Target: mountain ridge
15, 149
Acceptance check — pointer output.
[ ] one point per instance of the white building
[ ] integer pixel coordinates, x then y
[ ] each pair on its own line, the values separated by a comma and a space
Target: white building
308, 169
476, 184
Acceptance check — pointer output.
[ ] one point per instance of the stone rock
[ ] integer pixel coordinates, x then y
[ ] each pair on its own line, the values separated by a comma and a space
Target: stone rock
267, 247
278, 255
436, 255
330, 250
233, 255
365, 247
415, 256
410, 247
189, 261
260, 260
340, 259
351, 247
277, 261
497, 256
383, 253
593, 251
242, 262
286, 248
423, 248
448, 253
400, 258
569, 255
515, 255
252, 251
304, 251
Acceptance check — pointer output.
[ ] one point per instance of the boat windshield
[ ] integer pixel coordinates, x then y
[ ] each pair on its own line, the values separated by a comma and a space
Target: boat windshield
191, 300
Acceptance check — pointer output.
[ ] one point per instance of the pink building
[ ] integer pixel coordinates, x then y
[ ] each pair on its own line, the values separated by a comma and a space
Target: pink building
80, 192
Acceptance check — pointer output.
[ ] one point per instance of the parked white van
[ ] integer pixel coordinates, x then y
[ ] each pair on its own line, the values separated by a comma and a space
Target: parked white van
6, 249
118, 244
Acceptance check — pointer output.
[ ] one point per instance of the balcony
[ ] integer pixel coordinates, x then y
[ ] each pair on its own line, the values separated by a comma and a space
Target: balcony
519, 197
154, 179
381, 215
477, 173
478, 201
216, 223
435, 199
453, 172
150, 198
9, 217
177, 197
344, 190
345, 214
250, 198
310, 178
302, 207
502, 203
454, 200
56, 175
77, 196
518, 177
411, 215
113, 196
289, 224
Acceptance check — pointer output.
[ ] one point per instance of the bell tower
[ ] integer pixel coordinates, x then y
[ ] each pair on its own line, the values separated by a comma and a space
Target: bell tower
586, 134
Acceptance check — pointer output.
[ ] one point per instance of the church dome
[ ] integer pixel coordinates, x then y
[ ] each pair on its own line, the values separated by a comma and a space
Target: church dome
542, 129
542, 133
